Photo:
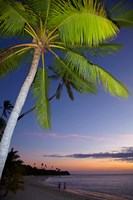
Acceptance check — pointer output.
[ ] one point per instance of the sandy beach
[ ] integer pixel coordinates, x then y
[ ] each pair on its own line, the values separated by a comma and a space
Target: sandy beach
34, 190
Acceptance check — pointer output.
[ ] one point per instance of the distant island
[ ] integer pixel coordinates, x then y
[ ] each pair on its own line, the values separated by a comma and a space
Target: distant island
29, 170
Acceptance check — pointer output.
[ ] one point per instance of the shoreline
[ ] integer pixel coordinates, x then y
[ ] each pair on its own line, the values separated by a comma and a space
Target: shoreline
34, 189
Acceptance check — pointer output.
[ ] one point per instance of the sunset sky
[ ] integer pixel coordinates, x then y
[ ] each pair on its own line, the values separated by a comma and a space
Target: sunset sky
92, 134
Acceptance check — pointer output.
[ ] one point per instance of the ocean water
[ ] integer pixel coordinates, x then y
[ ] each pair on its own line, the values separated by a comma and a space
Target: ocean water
116, 186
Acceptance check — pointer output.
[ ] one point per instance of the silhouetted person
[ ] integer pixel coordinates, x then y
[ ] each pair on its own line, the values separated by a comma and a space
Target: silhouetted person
59, 186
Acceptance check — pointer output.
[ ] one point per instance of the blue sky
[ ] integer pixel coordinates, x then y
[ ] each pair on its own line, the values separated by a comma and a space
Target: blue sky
90, 124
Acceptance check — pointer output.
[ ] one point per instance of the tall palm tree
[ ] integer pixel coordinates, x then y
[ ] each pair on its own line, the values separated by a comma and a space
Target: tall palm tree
65, 29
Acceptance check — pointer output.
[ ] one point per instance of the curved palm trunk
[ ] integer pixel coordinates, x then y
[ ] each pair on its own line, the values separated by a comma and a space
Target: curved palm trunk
6, 139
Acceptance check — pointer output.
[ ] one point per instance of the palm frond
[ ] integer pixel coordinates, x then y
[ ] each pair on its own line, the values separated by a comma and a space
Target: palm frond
58, 91
121, 13
101, 50
40, 92
41, 8
83, 88
82, 22
7, 108
10, 59
71, 74
105, 48
96, 74
69, 90
110, 84
14, 16
79, 84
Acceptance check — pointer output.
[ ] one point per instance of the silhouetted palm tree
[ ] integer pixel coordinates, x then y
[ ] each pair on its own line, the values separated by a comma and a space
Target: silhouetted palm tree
2, 126
12, 178
7, 108
45, 167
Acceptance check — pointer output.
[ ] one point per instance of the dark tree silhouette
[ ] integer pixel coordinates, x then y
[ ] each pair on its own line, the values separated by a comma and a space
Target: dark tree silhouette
12, 176
7, 108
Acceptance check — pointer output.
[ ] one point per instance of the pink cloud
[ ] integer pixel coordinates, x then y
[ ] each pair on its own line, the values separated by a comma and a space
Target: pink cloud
127, 136
75, 136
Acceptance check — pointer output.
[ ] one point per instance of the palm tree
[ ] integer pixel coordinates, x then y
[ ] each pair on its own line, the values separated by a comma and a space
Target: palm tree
2, 126
12, 178
45, 167
65, 29
7, 108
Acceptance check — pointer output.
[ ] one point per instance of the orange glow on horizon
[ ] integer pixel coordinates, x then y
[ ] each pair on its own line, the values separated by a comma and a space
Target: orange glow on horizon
96, 165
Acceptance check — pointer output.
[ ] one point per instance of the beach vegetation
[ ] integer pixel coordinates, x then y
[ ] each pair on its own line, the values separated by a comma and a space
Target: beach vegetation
29, 170
68, 30
12, 176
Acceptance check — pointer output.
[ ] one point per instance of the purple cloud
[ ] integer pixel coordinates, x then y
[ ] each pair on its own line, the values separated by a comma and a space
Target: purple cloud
126, 154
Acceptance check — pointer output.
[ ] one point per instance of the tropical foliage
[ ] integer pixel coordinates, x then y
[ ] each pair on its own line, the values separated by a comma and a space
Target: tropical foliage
6, 110
30, 171
12, 178
69, 30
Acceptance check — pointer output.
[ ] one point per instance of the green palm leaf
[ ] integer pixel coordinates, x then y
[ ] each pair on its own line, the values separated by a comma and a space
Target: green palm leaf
10, 59
70, 74
14, 16
101, 50
110, 84
41, 7
125, 20
83, 88
121, 13
77, 82
58, 91
82, 22
95, 74
40, 92
69, 90
105, 48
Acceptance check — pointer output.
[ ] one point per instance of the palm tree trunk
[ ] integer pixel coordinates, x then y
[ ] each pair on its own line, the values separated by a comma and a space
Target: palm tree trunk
6, 139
